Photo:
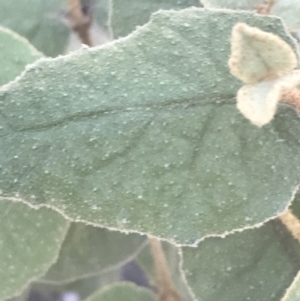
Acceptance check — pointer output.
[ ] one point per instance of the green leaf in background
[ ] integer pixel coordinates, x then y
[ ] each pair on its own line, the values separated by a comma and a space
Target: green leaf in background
124, 292
145, 260
256, 264
83, 287
293, 292
39, 22
142, 136
288, 10
15, 54
88, 250
29, 244
128, 14
233, 4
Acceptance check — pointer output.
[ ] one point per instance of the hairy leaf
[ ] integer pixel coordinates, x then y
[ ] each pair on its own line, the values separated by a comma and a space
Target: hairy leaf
89, 250
15, 54
128, 14
142, 136
256, 264
29, 244
122, 292
41, 21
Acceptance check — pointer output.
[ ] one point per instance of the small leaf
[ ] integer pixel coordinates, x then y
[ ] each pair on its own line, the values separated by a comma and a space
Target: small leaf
89, 250
29, 244
257, 55
258, 102
256, 264
15, 54
124, 292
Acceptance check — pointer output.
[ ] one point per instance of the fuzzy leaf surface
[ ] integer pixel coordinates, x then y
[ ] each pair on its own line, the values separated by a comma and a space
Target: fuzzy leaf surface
89, 250
29, 244
123, 137
15, 54
256, 264
128, 14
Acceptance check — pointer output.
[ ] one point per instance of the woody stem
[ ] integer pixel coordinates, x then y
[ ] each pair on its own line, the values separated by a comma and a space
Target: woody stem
79, 22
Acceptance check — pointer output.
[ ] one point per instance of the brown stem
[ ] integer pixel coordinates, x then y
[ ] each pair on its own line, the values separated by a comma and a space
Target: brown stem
265, 8
79, 22
291, 96
167, 292
292, 223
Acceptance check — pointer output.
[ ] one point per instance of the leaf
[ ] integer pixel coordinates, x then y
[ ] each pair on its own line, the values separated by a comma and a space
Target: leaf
40, 23
88, 251
233, 4
122, 137
128, 14
172, 255
293, 292
122, 292
258, 102
15, 54
256, 264
29, 244
257, 55
289, 11
82, 287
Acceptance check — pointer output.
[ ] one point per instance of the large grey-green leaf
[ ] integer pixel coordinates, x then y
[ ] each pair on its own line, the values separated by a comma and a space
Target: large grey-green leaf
89, 250
124, 292
38, 21
128, 14
143, 134
15, 54
293, 293
256, 264
29, 243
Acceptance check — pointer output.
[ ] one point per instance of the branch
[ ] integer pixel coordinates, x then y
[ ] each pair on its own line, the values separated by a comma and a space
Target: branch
291, 96
265, 8
291, 222
79, 22
166, 289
